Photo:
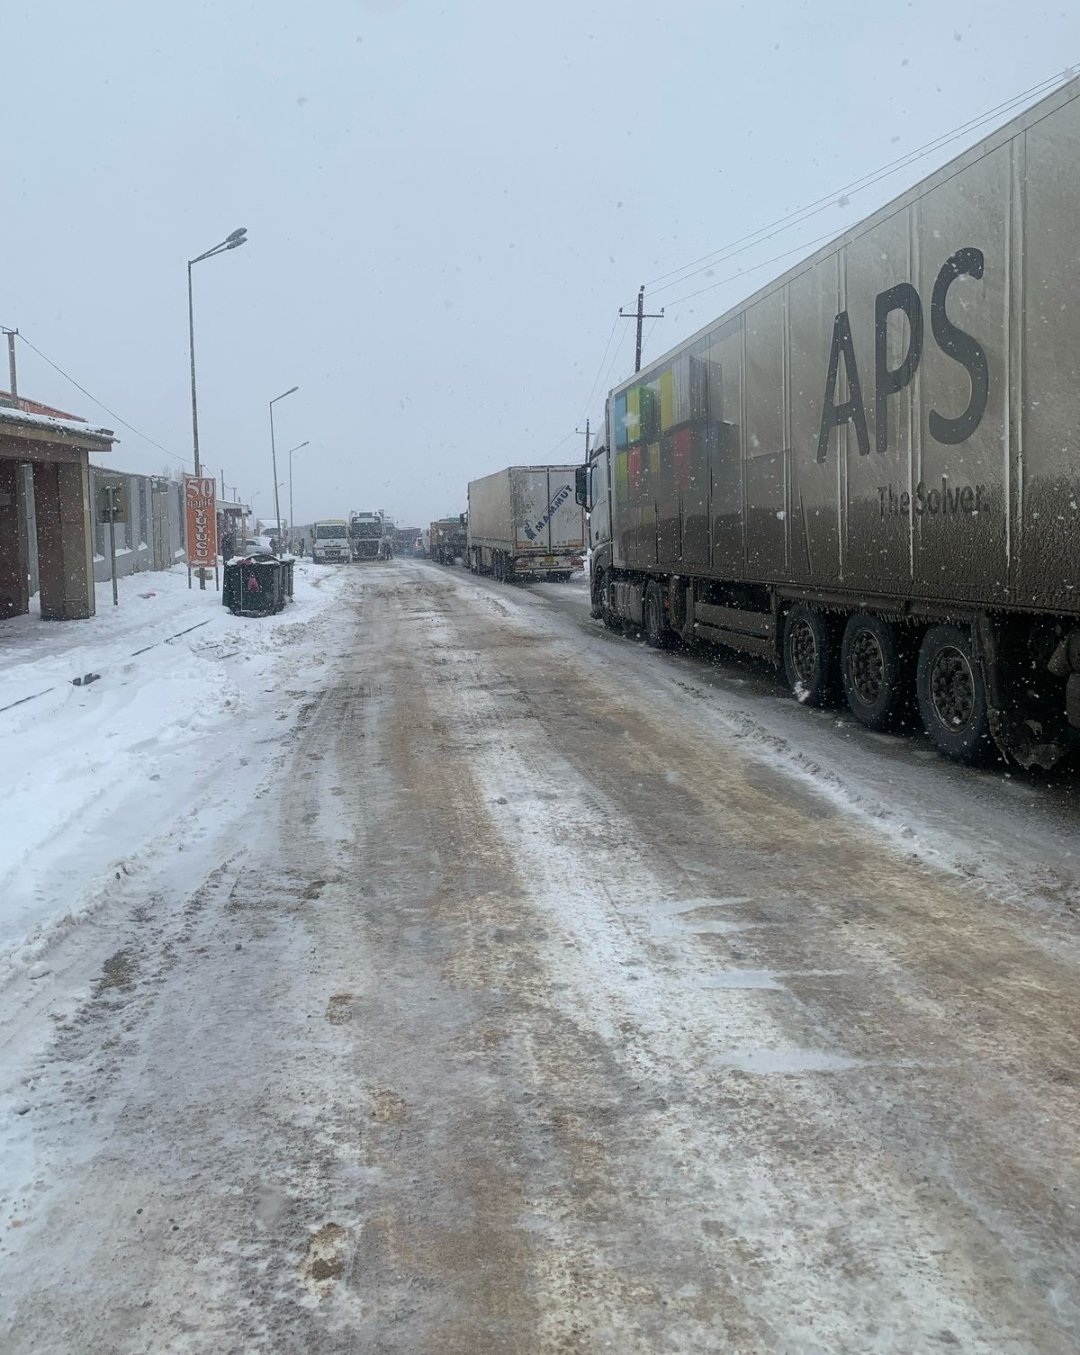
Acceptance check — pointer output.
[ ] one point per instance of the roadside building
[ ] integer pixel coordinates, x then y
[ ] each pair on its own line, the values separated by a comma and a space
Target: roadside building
232, 526
45, 481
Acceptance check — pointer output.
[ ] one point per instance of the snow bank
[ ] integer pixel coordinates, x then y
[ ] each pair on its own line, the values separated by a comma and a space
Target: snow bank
92, 775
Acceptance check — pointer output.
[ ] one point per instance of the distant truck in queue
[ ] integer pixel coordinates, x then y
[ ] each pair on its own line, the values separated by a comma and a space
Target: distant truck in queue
869, 471
329, 540
404, 539
524, 523
366, 536
448, 540
386, 546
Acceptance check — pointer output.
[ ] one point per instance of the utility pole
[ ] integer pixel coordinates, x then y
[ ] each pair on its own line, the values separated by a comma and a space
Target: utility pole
641, 317
12, 374
233, 241
194, 400
586, 436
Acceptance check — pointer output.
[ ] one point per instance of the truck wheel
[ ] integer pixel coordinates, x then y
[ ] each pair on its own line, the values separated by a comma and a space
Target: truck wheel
607, 611
598, 584
657, 634
809, 657
874, 672
952, 695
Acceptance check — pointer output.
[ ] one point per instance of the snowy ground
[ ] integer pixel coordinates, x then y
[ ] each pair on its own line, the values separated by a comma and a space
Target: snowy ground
109, 788
92, 775
531, 991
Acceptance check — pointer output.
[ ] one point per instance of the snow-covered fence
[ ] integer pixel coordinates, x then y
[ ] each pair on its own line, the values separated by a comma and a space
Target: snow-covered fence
151, 538
152, 535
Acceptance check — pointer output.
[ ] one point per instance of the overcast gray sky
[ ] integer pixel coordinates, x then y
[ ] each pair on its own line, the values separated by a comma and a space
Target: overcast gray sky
447, 204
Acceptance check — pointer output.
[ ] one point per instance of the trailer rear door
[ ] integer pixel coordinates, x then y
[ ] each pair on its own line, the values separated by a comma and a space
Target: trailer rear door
566, 528
546, 517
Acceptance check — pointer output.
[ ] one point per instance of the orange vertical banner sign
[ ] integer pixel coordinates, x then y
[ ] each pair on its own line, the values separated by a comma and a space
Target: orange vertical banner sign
200, 509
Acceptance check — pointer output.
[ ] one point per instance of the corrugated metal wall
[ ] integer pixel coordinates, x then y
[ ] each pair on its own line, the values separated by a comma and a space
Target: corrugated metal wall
152, 537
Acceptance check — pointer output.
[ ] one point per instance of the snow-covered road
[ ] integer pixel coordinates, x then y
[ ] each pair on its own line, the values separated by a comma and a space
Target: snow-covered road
552, 995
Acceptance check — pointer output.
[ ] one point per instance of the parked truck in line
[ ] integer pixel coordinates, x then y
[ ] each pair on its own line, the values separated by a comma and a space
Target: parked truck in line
366, 532
386, 545
329, 540
448, 540
404, 539
869, 471
524, 523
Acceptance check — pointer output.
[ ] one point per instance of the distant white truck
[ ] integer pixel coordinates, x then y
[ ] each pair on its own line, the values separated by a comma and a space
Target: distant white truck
330, 541
524, 523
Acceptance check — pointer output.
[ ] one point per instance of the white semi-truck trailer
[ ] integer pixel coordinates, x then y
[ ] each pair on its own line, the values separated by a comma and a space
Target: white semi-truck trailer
524, 523
868, 471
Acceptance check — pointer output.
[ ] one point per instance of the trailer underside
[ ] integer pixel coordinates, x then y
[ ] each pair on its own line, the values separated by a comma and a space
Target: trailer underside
980, 681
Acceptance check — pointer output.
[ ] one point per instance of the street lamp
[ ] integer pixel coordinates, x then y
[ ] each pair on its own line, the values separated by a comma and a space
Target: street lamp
273, 454
292, 520
233, 241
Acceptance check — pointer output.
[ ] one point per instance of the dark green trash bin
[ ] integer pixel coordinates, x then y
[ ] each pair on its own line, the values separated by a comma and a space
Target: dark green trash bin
287, 577
253, 586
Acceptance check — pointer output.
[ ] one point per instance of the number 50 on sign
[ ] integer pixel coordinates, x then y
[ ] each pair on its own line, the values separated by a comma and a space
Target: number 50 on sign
200, 508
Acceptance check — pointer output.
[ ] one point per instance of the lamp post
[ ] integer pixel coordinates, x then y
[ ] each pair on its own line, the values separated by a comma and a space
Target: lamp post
292, 520
233, 241
273, 456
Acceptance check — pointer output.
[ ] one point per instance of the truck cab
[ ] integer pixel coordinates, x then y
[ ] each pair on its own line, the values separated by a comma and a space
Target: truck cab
365, 535
330, 541
591, 489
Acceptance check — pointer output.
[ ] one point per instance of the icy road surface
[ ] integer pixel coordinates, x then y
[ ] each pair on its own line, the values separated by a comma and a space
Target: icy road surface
538, 993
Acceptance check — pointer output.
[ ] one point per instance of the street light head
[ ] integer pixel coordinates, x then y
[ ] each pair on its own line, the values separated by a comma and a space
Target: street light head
234, 244
291, 391
237, 234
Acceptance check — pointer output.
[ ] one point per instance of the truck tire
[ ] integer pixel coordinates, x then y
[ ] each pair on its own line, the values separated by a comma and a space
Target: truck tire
596, 589
952, 695
810, 657
607, 612
658, 635
874, 671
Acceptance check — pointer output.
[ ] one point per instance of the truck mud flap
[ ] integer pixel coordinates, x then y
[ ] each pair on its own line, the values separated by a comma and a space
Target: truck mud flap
1021, 736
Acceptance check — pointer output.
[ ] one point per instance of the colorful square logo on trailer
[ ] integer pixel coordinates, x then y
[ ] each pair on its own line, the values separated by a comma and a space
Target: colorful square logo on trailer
628, 417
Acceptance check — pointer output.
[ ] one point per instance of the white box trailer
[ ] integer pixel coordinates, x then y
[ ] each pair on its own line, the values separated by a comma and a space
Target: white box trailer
524, 523
869, 470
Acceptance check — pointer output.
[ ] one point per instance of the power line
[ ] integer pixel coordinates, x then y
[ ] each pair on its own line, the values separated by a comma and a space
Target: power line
764, 263
614, 360
600, 368
100, 403
561, 442
800, 214
856, 185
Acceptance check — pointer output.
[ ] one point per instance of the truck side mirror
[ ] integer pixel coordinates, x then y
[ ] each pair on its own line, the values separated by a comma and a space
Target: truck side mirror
581, 485
463, 519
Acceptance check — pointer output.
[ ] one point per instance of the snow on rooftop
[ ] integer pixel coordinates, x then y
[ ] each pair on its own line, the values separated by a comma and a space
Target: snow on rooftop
8, 415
